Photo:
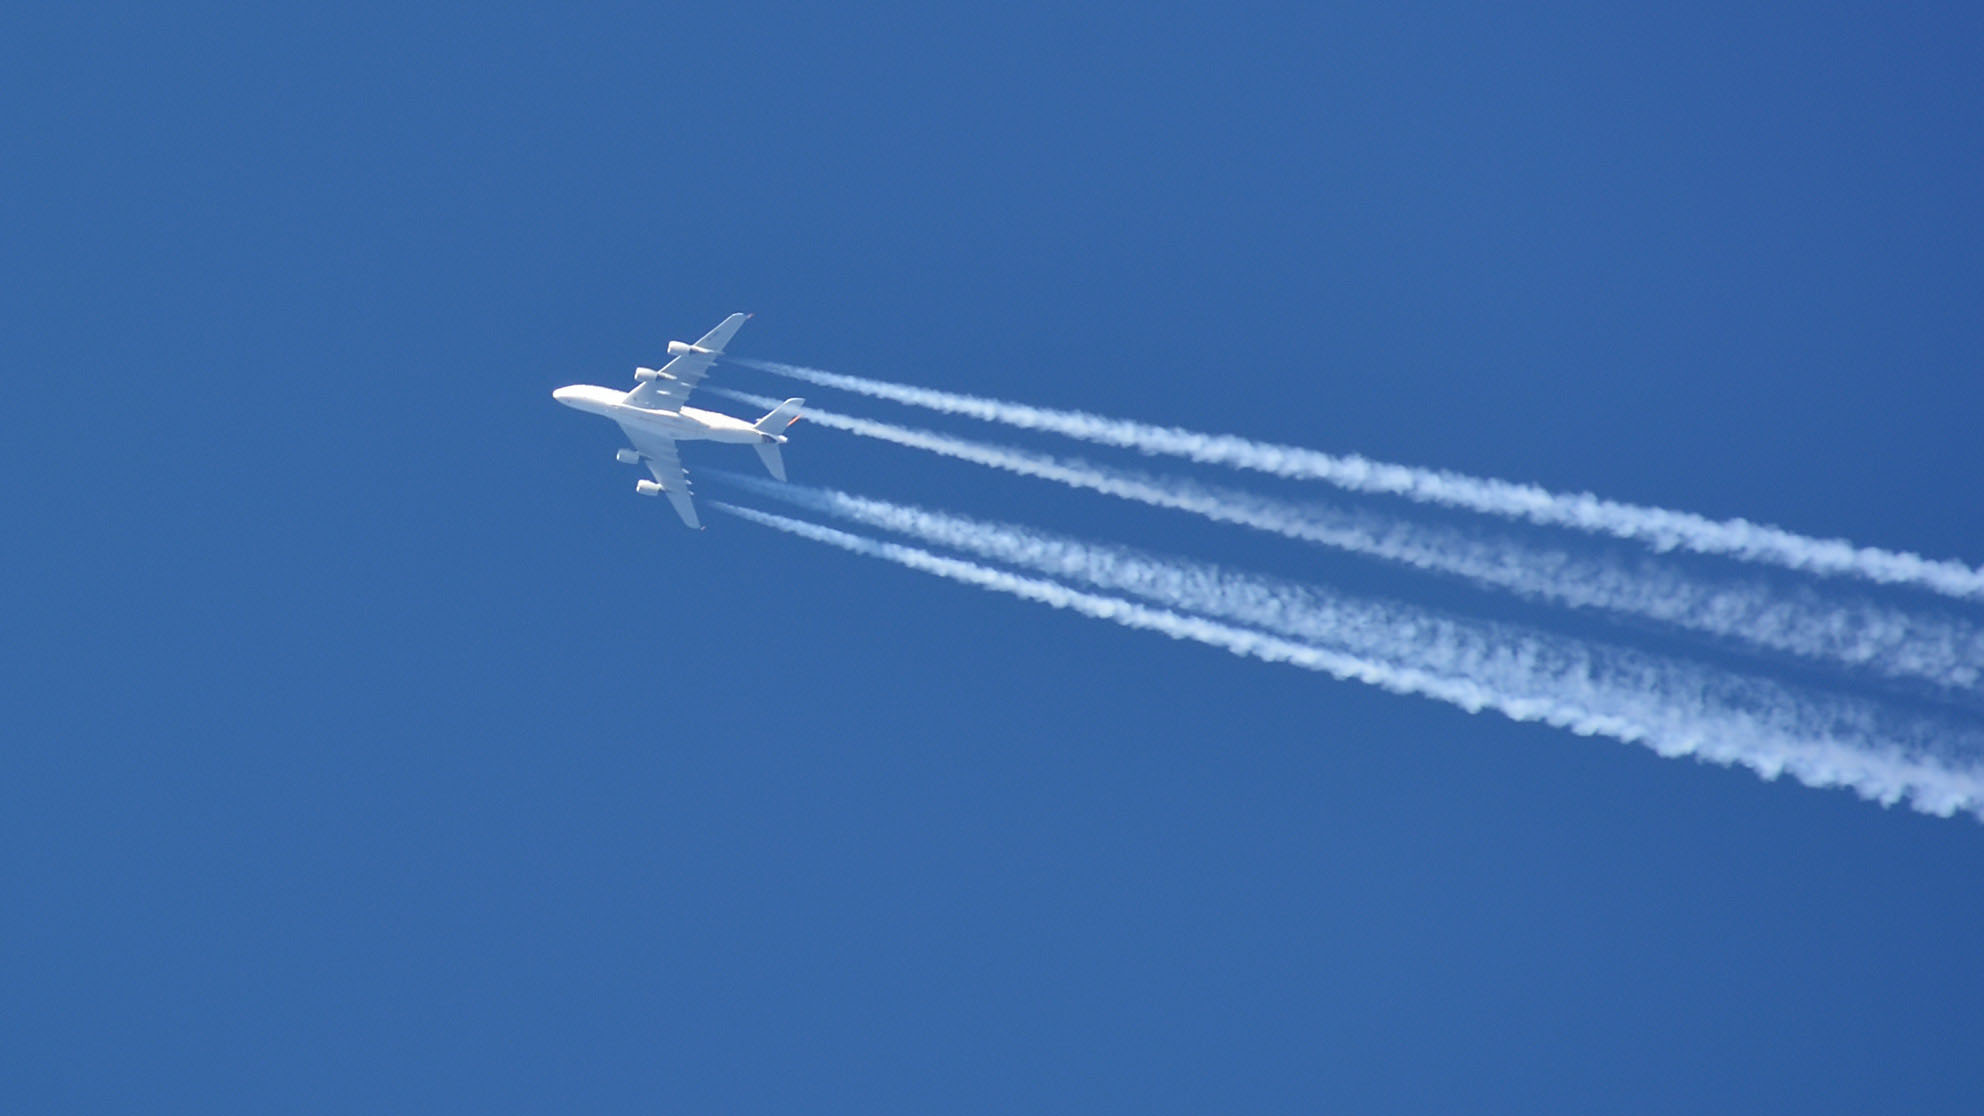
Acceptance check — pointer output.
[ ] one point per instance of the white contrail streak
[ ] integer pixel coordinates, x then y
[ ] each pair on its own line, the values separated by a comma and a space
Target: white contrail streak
1660, 528
1522, 676
1942, 651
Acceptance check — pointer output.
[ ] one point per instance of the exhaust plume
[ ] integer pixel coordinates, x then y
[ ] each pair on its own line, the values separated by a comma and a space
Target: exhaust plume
1944, 652
1672, 708
1660, 528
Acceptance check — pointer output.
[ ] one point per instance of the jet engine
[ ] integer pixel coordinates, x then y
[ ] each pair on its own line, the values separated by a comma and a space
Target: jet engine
627, 457
683, 348
647, 488
645, 374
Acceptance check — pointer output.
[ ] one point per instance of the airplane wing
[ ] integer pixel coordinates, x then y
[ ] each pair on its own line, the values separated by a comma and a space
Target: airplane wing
658, 454
668, 390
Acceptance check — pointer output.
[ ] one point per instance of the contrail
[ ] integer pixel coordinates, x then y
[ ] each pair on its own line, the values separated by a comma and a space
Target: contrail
1944, 652
1662, 529
1526, 678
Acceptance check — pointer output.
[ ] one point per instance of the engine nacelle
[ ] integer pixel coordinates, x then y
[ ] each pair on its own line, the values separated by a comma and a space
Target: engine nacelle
647, 488
627, 457
643, 375
683, 348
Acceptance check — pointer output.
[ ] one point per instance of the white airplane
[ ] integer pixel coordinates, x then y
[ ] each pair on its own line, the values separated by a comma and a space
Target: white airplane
654, 418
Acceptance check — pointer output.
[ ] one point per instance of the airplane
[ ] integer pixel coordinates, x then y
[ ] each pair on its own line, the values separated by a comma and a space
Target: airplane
654, 418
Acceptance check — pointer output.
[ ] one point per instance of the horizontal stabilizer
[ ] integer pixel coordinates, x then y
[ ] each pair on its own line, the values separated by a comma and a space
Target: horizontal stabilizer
774, 462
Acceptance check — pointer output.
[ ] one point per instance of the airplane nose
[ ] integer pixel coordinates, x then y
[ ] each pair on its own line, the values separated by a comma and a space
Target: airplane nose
565, 395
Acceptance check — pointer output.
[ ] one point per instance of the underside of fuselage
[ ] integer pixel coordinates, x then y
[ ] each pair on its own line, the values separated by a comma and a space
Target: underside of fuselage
685, 425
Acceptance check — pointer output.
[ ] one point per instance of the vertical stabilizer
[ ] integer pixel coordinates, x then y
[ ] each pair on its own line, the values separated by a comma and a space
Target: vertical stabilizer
782, 416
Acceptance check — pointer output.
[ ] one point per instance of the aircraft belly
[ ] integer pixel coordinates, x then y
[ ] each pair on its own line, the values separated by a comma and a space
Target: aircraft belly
721, 427
740, 436
668, 424
704, 426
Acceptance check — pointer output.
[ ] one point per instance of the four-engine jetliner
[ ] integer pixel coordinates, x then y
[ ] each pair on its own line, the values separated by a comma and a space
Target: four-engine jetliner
654, 418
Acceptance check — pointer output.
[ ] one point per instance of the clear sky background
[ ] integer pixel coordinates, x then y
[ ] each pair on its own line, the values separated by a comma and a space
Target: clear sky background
370, 746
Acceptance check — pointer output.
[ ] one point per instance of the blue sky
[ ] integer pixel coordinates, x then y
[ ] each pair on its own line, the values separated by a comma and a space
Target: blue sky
371, 746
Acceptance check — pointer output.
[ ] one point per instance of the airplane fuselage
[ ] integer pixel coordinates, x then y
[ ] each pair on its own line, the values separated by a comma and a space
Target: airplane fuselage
686, 425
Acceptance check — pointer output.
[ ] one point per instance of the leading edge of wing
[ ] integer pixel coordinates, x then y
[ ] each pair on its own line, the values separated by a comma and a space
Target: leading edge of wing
717, 338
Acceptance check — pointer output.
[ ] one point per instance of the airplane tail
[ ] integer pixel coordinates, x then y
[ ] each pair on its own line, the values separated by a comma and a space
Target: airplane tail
768, 453
782, 416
